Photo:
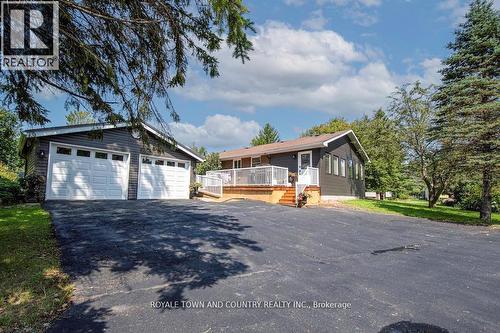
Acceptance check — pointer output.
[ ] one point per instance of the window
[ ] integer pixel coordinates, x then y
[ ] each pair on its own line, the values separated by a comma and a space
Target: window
181, 164
83, 153
236, 164
255, 161
170, 163
146, 160
342, 167
159, 162
361, 172
103, 156
351, 171
335, 165
116, 157
328, 161
356, 169
64, 151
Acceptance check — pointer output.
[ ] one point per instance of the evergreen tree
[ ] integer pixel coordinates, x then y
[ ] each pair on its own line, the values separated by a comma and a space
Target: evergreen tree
266, 135
380, 139
468, 99
79, 117
118, 58
332, 126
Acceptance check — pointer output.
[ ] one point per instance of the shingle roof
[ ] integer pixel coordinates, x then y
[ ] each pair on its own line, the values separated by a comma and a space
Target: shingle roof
282, 146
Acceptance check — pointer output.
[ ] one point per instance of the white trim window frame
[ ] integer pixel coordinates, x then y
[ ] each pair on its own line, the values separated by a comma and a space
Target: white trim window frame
343, 167
356, 170
328, 163
237, 164
350, 171
335, 162
259, 163
361, 171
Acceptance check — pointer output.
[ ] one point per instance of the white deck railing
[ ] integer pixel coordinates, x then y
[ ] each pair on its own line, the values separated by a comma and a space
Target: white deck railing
309, 176
210, 185
264, 175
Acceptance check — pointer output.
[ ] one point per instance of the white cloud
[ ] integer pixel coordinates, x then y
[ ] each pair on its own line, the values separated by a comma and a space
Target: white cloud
455, 10
360, 17
316, 20
294, 2
431, 69
294, 68
218, 131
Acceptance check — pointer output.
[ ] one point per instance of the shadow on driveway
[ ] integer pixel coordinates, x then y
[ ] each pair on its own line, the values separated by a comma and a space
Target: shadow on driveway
180, 244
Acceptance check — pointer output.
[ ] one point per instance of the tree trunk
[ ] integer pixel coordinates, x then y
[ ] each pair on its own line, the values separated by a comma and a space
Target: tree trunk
485, 210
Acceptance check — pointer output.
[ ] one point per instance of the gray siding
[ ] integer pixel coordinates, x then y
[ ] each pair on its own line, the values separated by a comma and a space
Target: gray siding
286, 160
118, 139
338, 185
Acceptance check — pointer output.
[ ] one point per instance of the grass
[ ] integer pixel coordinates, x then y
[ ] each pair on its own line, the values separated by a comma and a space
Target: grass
418, 208
33, 288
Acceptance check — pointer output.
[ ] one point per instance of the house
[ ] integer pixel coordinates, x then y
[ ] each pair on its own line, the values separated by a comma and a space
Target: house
77, 165
328, 167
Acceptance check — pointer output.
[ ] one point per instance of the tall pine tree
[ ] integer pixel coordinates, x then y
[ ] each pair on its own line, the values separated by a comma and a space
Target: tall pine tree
469, 109
266, 135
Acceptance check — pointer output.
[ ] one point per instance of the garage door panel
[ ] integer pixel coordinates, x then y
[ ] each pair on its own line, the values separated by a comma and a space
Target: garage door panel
159, 180
86, 177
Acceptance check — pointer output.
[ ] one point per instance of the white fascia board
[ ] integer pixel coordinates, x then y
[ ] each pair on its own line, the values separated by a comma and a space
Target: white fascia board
351, 134
275, 151
57, 131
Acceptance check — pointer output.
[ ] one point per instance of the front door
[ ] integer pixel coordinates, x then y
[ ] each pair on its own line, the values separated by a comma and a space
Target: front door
304, 161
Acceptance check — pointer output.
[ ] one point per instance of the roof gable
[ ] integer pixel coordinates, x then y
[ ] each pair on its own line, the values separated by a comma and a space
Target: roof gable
307, 142
60, 130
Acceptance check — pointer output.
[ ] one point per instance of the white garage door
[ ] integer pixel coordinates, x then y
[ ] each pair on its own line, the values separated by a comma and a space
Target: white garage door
80, 173
163, 178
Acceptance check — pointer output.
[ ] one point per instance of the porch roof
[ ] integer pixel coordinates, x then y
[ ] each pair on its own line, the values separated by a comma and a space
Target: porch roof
306, 142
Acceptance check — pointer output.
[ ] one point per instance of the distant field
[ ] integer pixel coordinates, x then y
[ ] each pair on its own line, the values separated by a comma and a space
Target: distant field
418, 208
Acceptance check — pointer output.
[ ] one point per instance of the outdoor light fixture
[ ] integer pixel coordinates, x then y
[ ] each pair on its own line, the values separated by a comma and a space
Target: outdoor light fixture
294, 156
41, 153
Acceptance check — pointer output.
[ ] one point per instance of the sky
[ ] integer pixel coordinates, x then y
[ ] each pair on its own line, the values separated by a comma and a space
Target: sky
312, 60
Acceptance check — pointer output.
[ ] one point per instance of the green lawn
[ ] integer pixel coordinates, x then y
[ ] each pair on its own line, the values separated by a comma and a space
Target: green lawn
418, 208
33, 289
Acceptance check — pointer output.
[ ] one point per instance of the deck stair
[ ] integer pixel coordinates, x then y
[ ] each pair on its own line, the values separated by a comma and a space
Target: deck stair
288, 198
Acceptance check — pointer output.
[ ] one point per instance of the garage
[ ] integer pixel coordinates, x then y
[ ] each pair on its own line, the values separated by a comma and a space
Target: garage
83, 173
163, 178
105, 161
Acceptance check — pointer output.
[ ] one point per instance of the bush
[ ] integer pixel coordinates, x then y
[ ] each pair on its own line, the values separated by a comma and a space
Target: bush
10, 191
32, 187
6, 173
469, 197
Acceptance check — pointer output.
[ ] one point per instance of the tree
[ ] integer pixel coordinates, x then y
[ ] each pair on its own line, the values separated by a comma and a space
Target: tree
332, 126
202, 151
79, 117
9, 139
381, 141
413, 112
468, 99
116, 58
212, 162
266, 135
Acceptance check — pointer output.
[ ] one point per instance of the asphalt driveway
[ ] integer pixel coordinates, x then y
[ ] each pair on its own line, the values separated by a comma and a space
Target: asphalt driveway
154, 266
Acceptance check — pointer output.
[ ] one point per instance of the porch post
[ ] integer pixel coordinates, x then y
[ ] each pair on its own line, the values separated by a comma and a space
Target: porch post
272, 176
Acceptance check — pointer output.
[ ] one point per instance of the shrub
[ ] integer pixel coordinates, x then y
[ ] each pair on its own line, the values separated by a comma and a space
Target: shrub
469, 198
32, 187
6, 173
10, 191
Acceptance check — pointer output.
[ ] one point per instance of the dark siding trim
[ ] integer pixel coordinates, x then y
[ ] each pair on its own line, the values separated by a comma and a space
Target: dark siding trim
338, 185
118, 139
